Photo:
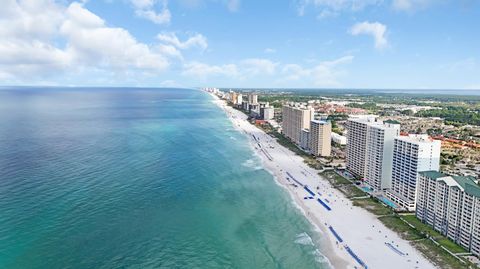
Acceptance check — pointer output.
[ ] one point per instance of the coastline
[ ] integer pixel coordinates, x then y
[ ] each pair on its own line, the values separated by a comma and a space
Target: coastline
351, 237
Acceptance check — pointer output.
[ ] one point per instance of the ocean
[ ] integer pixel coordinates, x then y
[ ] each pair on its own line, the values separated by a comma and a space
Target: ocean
138, 178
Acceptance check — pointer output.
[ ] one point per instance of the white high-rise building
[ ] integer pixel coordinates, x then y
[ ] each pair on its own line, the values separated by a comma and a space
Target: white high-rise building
379, 154
305, 139
296, 118
267, 113
356, 144
239, 99
451, 205
411, 154
320, 138
252, 98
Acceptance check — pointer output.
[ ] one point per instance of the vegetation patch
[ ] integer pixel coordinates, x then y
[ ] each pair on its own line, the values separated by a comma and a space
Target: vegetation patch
373, 205
399, 226
334, 178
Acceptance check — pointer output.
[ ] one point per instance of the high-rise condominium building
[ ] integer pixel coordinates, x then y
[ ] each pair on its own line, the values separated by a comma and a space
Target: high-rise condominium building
252, 98
239, 99
267, 113
451, 205
320, 138
233, 97
356, 144
411, 154
295, 118
379, 154
305, 139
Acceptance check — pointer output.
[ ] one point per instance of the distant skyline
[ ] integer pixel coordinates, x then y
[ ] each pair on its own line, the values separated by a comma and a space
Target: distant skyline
369, 44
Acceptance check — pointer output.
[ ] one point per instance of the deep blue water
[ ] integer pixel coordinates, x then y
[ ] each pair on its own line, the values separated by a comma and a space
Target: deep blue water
137, 178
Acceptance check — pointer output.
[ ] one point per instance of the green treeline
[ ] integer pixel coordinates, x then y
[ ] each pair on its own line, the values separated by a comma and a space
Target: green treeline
454, 115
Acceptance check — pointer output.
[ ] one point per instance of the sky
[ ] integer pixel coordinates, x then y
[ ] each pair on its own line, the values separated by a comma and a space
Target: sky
368, 44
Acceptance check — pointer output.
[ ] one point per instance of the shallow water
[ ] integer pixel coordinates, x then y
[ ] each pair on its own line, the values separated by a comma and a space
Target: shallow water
138, 178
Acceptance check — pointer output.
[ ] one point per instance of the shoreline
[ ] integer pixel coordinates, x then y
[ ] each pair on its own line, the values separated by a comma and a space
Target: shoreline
351, 237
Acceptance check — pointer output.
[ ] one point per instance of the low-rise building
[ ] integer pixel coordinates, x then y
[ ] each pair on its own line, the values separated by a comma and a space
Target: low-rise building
339, 139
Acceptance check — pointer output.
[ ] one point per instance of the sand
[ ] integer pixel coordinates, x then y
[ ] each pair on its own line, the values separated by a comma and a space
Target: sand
360, 230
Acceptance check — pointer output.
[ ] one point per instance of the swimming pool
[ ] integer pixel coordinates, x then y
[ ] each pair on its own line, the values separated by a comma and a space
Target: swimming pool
388, 202
367, 189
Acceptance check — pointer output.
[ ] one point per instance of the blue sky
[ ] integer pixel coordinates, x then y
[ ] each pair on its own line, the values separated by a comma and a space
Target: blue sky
421, 44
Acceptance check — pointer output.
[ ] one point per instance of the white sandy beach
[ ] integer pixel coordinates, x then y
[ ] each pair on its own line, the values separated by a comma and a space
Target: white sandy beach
361, 232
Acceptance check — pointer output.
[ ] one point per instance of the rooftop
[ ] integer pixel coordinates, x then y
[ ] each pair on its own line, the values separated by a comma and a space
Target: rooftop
320, 121
421, 138
468, 184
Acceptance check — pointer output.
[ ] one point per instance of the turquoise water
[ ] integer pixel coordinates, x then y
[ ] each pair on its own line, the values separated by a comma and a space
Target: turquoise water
138, 178
388, 202
367, 189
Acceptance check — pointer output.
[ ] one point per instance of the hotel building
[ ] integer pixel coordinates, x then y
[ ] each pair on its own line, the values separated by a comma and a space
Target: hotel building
239, 99
411, 154
296, 118
320, 138
356, 144
451, 205
379, 154
305, 139
267, 113
252, 98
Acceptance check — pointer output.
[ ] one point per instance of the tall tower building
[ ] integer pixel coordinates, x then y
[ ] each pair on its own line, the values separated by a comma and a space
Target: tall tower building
411, 154
239, 99
320, 138
252, 98
295, 119
379, 154
356, 144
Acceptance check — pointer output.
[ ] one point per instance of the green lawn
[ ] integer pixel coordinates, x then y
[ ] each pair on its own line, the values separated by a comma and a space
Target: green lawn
352, 191
450, 245
442, 240
439, 256
422, 227
373, 206
397, 225
335, 178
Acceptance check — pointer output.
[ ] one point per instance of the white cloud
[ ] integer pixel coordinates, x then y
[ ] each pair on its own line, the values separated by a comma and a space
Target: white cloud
324, 74
332, 7
146, 9
204, 71
242, 70
257, 66
90, 41
197, 40
410, 5
44, 38
375, 29
233, 5
270, 50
